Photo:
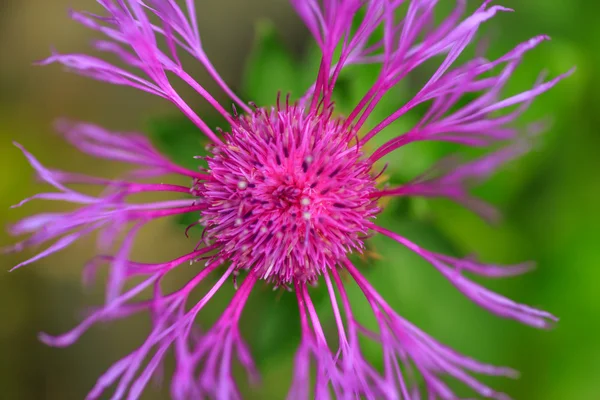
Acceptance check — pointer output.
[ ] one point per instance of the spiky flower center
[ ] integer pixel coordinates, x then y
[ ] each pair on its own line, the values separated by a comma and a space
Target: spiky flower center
288, 195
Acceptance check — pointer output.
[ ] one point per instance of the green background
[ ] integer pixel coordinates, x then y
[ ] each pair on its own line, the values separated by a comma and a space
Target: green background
549, 199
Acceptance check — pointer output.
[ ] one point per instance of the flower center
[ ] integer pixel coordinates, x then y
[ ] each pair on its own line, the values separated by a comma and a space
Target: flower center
288, 195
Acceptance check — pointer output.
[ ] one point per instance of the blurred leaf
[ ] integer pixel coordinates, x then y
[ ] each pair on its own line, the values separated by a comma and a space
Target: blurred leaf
273, 322
270, 68
274, 325
179, 139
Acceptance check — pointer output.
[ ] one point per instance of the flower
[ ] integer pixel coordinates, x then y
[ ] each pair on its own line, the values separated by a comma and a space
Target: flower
286, 194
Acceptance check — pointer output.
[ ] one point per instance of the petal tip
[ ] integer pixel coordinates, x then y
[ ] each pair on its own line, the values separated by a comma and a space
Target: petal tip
54, 341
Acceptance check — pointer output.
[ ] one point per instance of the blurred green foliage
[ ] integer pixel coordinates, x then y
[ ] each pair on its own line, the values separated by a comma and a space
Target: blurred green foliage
549, 199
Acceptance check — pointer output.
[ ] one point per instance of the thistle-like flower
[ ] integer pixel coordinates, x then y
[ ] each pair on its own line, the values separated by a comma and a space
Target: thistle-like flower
285, 195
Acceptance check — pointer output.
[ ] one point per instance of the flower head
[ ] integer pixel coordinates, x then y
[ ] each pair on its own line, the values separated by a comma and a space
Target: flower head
288, 198
285, 195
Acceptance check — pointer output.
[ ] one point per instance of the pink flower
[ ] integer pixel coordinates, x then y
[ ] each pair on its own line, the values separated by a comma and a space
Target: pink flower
286, 195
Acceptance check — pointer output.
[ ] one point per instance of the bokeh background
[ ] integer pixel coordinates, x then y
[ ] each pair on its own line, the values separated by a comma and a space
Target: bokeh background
550, 200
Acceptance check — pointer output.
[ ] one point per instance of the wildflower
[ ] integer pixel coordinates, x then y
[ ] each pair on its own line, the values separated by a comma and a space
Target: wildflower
288, 192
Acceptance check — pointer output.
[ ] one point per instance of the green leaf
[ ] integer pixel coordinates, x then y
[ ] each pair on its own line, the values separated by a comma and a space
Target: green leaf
178, 138
274, 324
181, 141
272, 321
270, 68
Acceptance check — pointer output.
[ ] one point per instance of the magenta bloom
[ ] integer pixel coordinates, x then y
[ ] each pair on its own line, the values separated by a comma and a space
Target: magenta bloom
286, 194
